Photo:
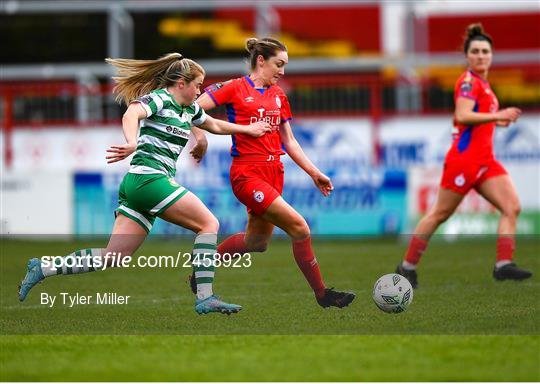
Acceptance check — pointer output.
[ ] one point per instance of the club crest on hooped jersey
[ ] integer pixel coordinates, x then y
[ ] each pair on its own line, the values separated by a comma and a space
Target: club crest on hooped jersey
173, 182
278, 102
258, 196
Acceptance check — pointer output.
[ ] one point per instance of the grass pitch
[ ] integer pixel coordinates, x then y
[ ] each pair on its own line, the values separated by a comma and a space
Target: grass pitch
462, 325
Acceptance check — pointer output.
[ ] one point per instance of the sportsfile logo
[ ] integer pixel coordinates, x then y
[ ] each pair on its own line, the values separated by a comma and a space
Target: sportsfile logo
73, 264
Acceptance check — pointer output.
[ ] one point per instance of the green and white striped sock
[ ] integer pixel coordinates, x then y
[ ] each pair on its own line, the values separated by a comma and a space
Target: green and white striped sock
204, 250
80, 261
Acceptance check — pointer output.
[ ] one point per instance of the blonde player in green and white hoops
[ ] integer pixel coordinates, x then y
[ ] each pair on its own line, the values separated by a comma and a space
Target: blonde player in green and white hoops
160, 95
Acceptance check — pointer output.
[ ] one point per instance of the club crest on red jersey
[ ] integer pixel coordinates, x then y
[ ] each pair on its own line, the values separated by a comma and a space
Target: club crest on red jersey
258, 196
460, 180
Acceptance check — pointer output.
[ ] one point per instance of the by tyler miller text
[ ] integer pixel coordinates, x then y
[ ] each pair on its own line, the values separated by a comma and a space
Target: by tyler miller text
74, 299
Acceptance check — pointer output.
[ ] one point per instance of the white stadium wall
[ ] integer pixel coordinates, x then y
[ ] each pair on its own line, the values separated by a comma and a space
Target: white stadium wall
37, 202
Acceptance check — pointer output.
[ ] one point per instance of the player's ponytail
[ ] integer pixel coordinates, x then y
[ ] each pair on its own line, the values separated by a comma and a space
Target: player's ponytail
251, 44
266, 47
475, 32
139, 77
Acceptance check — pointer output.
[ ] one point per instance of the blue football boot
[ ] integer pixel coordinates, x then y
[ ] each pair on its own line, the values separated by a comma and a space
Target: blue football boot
33, 276
214, 304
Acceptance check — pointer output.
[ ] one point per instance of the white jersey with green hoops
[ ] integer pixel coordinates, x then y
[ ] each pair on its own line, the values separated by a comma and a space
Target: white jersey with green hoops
146, 191
164, 133
149, 188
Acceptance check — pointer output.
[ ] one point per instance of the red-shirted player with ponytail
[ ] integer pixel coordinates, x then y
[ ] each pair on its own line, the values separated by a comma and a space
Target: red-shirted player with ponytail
470, 162
256, 172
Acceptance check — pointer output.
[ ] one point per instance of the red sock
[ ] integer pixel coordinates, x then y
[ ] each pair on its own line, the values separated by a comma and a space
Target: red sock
417, 246
303, 254
233, 245
505, 248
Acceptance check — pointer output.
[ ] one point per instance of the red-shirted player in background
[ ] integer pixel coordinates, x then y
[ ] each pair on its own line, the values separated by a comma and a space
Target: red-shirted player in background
470, 163
256, 172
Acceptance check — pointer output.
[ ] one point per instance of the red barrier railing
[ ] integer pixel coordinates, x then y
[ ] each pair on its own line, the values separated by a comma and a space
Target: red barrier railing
69, 104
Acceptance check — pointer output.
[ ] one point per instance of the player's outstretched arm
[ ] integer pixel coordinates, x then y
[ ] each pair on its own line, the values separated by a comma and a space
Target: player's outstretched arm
130, 125
296, 153
206, 102
465, 114
221, 127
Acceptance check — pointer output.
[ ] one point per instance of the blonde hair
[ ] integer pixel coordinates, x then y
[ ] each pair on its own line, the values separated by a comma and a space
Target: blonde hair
266, 47
140, 77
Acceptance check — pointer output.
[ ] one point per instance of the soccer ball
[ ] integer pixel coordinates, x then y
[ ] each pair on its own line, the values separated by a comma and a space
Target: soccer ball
392, 293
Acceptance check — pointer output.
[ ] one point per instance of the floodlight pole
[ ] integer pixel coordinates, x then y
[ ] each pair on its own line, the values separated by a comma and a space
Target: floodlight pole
8, 128
120, 32
267, 21
88, 108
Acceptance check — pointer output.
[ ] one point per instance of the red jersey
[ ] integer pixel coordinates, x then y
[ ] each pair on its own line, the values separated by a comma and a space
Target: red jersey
246, 105
474, 140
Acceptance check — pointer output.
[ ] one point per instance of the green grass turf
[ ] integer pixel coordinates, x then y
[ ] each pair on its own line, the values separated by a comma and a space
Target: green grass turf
462, 325
270, 358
